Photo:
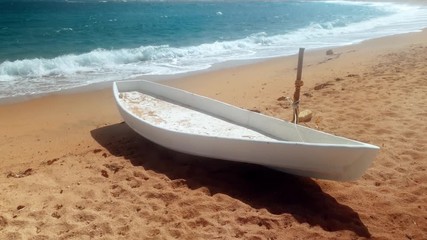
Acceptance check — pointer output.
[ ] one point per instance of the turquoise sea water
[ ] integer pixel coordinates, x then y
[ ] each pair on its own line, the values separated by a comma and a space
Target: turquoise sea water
47, 46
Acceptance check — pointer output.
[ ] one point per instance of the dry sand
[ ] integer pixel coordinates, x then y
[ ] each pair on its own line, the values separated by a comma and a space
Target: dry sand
70, 169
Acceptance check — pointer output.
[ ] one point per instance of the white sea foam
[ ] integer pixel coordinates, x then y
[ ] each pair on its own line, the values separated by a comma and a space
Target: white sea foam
39, 75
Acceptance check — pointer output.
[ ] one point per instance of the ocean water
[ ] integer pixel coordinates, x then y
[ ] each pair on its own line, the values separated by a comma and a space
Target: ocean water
51, 45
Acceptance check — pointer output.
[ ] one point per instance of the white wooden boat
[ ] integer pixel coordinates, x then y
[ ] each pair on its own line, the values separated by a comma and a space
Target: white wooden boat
198, 125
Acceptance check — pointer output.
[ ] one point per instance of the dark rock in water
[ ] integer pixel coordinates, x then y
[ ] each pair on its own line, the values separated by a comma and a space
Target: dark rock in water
330, 52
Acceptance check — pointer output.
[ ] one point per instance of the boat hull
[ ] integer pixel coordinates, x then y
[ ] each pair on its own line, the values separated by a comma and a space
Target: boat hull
323, 156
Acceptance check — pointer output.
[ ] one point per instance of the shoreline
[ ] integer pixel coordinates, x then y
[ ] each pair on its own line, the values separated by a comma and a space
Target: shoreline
214, 68
72, 169
221, 65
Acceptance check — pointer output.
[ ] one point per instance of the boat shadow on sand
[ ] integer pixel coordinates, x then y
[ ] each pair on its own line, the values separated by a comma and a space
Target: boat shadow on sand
257, 186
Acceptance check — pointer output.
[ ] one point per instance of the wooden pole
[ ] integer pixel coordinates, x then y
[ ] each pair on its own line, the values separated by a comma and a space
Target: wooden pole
298, 85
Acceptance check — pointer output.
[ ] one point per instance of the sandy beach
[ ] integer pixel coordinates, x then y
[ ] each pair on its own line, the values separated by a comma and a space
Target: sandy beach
71, 169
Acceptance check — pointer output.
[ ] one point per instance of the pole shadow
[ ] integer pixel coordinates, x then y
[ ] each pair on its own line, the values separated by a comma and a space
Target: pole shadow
257, 186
